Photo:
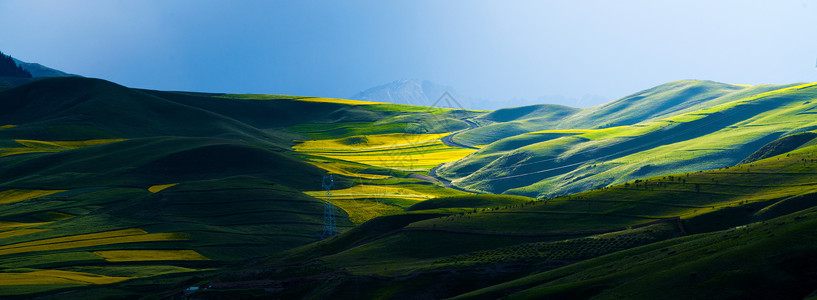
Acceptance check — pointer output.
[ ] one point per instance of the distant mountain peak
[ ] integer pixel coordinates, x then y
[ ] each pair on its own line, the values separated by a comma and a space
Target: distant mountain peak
426, 93
406, 91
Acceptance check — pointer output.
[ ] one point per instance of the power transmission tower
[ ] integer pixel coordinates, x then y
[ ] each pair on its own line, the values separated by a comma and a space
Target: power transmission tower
329, 228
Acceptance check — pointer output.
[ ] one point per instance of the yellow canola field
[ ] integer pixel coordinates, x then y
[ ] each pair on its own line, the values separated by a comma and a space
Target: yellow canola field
132, 235
339, 101
609, 132
575, 131
11, 196
56, 277
363, 191
160, 187
370, 142
407, 152
149, 255
32, 146
10, 225
53, 216
7, 126
18, 232
409, 161
344, 169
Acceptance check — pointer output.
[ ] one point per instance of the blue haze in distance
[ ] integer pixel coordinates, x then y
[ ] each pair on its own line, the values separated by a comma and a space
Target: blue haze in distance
524, 51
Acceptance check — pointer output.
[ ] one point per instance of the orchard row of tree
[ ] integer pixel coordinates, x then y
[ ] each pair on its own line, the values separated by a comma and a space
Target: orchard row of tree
9, 68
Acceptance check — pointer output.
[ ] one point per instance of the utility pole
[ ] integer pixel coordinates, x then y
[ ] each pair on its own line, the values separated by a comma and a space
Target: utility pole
329, 227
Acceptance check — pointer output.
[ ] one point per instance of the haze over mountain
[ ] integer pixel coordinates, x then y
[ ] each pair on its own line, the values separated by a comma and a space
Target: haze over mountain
39, 71
17, 72
407, 91
27, 70
426, 93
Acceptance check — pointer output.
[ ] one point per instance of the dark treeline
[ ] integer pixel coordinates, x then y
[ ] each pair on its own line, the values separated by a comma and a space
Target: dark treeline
8, 68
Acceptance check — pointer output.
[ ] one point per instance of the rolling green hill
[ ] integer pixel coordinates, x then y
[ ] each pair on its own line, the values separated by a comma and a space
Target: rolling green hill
125, 185
662, 101
169, 188
108, 191
730, 233
508, 122
558, 162
760, 260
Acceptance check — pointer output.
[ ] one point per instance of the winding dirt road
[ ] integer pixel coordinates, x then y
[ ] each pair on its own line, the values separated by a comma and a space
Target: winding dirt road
448, 140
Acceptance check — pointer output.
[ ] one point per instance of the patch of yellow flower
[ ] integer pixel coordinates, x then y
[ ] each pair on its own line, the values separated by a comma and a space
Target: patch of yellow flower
149, 255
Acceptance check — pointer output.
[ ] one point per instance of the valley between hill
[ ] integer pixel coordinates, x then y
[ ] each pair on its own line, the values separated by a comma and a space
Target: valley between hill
672, 192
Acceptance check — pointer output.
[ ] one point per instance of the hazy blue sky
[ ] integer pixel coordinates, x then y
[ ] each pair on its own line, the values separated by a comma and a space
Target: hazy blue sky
492, 49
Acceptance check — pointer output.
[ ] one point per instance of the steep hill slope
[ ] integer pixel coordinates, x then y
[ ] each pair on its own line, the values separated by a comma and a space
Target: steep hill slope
760, 260
662, 101
39, 71
557, 162
119, 181
104, 184
508, 122
702, 228
93, 108
125, 192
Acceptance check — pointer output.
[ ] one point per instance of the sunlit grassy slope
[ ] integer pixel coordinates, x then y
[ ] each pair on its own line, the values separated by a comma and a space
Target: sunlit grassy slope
725, 219
132, 184
658, 102
124, 192
761, 260
558, 162
87, 173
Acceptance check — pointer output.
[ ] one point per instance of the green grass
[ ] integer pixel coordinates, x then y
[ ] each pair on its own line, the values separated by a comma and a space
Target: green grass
407, 251
50, 260
709, 137
663, 101
233, 166
257, 97
342, 130
513, 121
721, 264
132, 271
241, 193
470, 201
593, 242
568, 250
237, 183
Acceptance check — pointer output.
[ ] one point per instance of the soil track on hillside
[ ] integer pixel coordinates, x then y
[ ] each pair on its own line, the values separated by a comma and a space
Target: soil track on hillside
448, 140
